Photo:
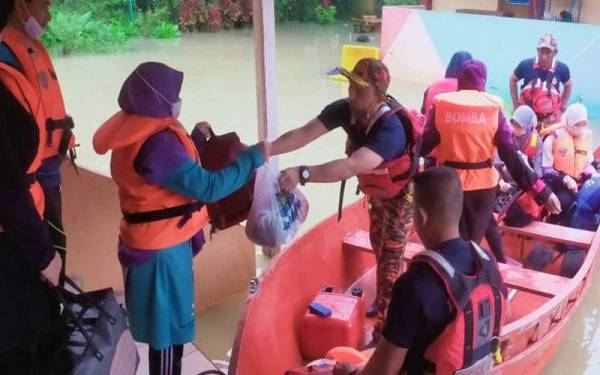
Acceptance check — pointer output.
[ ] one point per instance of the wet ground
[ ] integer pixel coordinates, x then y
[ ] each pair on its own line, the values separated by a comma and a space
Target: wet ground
219, 87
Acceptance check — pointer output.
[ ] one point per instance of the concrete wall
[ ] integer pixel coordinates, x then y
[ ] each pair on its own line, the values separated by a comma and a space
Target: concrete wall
417, 45
453, 5
224, 267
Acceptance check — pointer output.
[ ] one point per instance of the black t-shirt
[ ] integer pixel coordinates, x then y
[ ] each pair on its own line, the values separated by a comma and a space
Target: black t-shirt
420, 308
387, 137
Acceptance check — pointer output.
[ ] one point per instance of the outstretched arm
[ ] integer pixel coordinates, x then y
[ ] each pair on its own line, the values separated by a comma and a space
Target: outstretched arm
298, 138
361, 161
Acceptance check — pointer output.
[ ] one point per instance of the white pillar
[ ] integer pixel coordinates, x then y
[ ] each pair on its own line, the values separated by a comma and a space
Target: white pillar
266, 78
266, 71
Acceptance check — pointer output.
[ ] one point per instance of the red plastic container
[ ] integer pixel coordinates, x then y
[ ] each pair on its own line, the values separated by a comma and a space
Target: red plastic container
345, 326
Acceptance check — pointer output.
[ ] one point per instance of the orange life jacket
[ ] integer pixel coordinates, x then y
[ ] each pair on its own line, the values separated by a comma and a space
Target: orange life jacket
467, 122
571, 154
39, 70
531, 145
153, 217
25, 94
440, 87
390, 178
469, 341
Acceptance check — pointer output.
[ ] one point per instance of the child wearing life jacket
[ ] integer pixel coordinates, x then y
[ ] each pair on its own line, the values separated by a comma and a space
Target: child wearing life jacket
567, 158
162, 190
420, 326
29, 265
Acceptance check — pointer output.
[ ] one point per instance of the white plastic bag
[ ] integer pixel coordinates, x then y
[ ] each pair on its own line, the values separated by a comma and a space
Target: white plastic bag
275, 216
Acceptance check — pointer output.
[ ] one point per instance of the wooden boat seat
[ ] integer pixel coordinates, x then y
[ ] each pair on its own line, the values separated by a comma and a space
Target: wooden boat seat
540, 283
554, 233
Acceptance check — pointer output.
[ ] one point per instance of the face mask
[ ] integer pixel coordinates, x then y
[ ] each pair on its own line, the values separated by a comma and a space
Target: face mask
33, 28
576, 131
175, 107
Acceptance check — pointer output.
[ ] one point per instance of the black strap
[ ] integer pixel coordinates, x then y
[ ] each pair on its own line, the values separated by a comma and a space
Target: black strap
185, 210
497, 312
30, 178
468, 349
468, 166
66, 125
341, 200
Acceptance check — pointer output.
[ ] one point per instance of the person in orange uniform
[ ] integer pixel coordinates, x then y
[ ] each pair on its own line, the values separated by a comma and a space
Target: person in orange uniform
162, 190
28, 262
22, 50
468, 128
567, 158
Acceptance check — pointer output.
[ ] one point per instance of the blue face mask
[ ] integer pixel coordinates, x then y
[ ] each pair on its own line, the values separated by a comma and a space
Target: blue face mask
175, 107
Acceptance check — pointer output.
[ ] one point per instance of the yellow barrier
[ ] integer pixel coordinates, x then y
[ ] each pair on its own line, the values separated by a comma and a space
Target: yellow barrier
351, 54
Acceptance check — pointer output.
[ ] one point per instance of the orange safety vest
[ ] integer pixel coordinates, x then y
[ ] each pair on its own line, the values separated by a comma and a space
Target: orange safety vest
25, 94
440, 87
39, 70
571, 154
153, 217
542, 96
467, 122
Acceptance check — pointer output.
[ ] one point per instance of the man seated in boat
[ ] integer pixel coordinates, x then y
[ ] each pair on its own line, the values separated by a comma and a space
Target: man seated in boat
379, 150
542, 78
567, 159
424, 318
468, 128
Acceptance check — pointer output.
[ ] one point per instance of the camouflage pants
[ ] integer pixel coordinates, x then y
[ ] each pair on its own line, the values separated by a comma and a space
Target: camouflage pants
390, 224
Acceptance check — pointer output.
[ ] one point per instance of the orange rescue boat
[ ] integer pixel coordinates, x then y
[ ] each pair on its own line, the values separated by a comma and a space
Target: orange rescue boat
271, 336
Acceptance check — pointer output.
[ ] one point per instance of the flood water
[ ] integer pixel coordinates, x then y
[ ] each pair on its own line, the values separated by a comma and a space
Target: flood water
219, 87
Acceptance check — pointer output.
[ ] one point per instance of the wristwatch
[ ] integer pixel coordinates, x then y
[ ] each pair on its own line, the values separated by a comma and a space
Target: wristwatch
304, 175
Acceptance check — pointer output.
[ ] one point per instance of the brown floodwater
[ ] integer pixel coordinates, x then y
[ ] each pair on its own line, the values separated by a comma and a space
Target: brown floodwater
219, 87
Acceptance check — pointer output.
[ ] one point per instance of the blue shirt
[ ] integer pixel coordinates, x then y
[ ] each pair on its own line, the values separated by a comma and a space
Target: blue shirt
588, 206
526, 71
420, 308
8, 57
386, 138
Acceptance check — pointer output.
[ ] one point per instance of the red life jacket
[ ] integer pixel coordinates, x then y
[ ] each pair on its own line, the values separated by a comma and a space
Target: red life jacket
542, 96
39, 70
468, 342
21, 89
531, 146
440, 87
390, 178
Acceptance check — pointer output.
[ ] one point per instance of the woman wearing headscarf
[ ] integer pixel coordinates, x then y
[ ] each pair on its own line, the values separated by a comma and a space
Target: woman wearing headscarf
29, 265
162, 189
447, 84
468, 128
567, 158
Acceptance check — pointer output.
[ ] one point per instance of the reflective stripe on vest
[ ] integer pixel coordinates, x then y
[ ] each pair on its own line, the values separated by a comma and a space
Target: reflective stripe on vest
571, 154
39, 70
125, 135
467, 122
480, 313
21, 89
440, 87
